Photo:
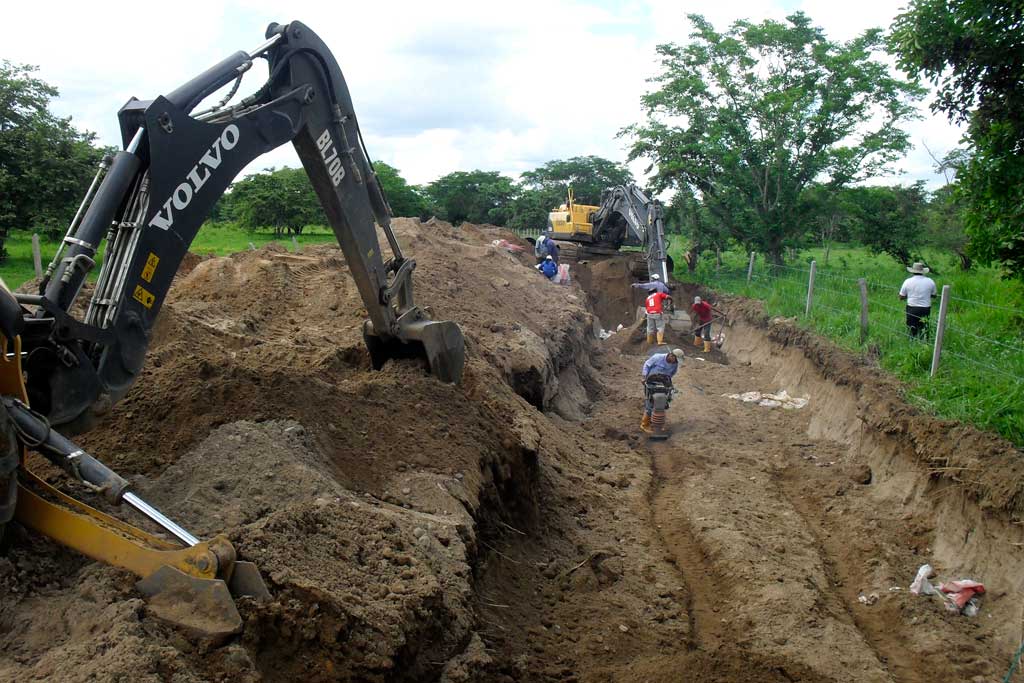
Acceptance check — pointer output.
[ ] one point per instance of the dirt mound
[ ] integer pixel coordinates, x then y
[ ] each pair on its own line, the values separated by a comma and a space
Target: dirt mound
357, 493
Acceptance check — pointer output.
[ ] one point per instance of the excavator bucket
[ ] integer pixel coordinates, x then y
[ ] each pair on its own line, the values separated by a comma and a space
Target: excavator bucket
202, 607
439, 343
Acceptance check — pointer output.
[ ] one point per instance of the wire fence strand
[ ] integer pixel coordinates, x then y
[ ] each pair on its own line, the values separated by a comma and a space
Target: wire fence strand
838, 297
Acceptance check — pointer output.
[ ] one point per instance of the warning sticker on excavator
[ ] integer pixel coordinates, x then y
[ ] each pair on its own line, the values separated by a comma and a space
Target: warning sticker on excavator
144, 297
151, 263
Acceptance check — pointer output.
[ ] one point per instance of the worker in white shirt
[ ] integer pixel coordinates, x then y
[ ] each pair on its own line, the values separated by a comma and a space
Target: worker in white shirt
917, 291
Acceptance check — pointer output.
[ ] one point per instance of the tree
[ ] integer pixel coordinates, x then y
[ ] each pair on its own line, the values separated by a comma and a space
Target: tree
530, 208
750, 117
279, 199
691, 218
473, 196
973, 51
829, 212
944, 225
587, 176
405, 200
889, 219
46, 164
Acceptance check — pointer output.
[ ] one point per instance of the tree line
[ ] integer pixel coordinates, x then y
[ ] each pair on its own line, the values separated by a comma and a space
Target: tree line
284, 201
768, 135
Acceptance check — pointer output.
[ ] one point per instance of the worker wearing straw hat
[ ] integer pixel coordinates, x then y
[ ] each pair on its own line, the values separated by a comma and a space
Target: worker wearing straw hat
918, 291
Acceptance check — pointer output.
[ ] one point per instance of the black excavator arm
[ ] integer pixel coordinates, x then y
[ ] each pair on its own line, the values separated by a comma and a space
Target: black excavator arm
627, 217
150, 200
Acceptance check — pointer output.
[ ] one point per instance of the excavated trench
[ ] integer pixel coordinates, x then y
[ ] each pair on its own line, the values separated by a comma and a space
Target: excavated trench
758, 544
518, 528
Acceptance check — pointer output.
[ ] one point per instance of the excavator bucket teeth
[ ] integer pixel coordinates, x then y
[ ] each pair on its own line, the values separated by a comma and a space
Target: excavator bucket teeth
440, 343
201, 607
246, 582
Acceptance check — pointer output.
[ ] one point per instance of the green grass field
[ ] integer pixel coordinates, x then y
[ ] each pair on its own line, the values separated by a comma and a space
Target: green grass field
981, 374
217, 239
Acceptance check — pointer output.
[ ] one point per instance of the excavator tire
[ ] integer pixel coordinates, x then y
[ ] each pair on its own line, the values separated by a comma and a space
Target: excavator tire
9, 457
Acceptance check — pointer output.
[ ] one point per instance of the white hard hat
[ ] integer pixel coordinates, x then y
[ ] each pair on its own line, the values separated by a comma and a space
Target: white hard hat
655, 277
549, 258
678, 353
696, 299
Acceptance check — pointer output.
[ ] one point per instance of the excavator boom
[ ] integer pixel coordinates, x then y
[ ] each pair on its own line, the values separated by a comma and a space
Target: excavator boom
147, 203
155, 194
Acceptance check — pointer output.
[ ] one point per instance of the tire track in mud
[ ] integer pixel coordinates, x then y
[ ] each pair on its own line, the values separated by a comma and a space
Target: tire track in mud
750, 561
686, 555
888, 647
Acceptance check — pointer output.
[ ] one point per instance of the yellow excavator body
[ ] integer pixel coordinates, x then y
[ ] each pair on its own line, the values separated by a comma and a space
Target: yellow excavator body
571, 221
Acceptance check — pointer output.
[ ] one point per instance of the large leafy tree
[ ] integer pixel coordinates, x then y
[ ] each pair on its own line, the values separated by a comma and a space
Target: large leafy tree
473, 196
750, 117
405, 200
827, 213
688, 215
46, 164
944, 225
889, 220
587, 176
282, 200
973, 51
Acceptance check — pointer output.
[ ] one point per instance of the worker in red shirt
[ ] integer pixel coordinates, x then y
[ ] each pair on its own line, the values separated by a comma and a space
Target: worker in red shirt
703, 312
655, 305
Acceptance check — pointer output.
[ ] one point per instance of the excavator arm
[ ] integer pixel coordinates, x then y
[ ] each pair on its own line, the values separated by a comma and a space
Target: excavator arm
154, 195
71, 360
627, 217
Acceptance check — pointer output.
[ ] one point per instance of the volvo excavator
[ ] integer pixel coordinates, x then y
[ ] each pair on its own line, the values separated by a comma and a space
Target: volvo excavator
67, 361
625, 218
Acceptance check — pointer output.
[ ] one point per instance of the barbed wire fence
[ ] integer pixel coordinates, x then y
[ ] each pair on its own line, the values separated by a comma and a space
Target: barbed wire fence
868, 312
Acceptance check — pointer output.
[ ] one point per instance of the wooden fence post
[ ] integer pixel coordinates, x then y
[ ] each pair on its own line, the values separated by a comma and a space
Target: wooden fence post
810, 288
940, 329
863, 284
750, 268
37, 257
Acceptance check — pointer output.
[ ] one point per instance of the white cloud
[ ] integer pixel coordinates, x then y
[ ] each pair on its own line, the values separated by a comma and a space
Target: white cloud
438, 86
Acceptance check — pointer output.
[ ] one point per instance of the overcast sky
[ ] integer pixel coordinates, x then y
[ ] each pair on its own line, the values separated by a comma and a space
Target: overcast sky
438, 86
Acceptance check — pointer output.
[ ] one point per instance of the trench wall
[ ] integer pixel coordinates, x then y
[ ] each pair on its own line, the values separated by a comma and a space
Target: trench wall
966, 482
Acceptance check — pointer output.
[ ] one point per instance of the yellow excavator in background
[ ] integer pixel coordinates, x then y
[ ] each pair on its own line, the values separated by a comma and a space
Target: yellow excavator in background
626, 217
62, 370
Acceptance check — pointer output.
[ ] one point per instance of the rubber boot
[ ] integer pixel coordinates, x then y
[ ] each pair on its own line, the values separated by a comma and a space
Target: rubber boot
696, 341
650, 338
707, 346
645, 423
661, 337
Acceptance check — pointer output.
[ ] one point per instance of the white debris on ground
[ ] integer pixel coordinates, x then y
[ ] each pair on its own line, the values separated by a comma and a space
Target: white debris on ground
604, 334
781, 399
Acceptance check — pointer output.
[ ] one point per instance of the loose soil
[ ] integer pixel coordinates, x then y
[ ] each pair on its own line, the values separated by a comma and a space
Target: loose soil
519, 527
